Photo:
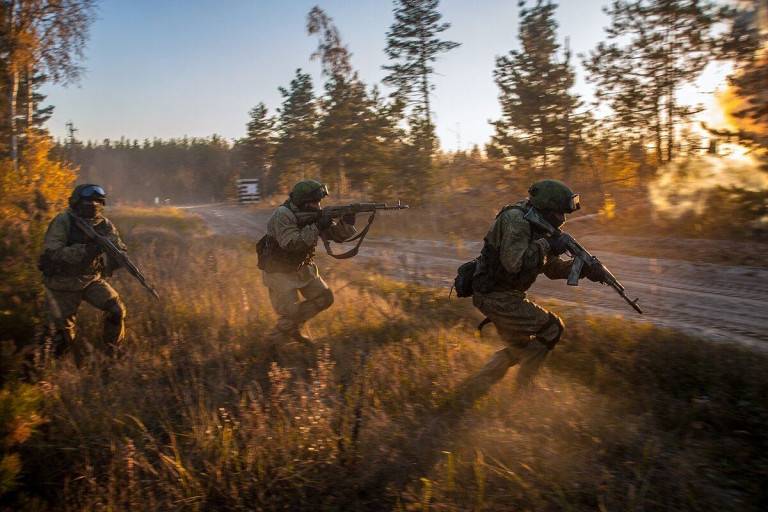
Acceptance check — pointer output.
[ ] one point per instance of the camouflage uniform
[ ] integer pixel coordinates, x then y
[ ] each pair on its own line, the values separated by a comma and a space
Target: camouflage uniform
73, 275
285, 285
529, 330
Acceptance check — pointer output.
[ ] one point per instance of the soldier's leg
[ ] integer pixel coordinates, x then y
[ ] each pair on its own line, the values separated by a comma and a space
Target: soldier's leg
62, 313
529, 330
285, 302
318, 298
102, 296
479, 383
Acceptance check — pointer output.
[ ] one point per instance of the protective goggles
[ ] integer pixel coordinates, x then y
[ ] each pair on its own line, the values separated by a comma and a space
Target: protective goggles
574, 204
318, 193
93, 191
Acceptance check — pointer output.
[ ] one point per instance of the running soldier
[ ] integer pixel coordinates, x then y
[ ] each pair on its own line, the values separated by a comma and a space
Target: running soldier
286, 256
515, 252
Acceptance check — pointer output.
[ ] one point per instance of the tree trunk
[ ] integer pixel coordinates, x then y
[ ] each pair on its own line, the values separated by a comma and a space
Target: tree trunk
670, 123
12, 98
658, 128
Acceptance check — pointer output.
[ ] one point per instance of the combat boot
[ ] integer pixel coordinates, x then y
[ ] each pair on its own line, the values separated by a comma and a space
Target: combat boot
296, 335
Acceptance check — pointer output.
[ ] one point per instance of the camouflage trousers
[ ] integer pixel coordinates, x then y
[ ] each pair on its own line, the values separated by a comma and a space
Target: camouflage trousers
529, 331
285, 290
62, 310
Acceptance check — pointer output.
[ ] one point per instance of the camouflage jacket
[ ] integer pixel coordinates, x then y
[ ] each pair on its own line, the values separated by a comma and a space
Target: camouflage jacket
523, 252
64, 248
300, 241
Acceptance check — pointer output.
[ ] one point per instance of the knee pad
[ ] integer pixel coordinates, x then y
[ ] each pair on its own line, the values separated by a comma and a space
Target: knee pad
115, 311
543, 335
325, 300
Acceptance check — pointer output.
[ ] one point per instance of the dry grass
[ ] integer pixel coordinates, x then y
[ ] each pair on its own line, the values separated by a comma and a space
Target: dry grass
197, 417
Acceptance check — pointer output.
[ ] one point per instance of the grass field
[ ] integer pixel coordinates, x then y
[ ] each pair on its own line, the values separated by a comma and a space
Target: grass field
195, 416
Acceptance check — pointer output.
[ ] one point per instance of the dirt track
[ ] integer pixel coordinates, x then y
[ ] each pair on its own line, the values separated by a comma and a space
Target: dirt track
719, 302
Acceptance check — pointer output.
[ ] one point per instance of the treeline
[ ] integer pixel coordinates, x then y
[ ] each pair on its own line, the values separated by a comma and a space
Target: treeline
357, 138
178, 170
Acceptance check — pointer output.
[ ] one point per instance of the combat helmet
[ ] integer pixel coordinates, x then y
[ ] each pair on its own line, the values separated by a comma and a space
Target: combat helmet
553, 196
86, 191
308, 191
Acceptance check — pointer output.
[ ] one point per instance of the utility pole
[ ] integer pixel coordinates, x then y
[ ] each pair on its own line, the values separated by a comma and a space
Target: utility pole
71, 142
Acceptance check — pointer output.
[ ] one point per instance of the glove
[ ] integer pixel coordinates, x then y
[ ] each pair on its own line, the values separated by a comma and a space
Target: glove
595, 273
92, 250
557, 245
324, 222
348, 219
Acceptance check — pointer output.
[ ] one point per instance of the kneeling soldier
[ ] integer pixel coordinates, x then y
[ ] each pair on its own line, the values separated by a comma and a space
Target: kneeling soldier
286, 257
74, 267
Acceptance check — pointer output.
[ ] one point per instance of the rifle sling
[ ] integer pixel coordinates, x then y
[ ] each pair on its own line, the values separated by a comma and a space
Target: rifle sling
359, 237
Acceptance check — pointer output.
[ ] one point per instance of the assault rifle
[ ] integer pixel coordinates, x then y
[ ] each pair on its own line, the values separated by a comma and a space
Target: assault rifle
581, 257
335, 212
114, 252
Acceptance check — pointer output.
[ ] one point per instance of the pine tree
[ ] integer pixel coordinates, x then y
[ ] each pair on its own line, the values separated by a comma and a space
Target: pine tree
747, 47
296, 147
655, 47
412, 46
343, 106
257, 147
539, 121
40, 40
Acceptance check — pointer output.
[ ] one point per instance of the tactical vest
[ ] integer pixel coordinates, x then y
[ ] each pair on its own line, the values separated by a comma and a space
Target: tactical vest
75, 235
490, 274
273, 258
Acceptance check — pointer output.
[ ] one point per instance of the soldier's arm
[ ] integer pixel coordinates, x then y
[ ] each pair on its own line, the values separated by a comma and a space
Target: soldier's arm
290, 236
555, 268
516, 252
114, 236
55, 242
340, 231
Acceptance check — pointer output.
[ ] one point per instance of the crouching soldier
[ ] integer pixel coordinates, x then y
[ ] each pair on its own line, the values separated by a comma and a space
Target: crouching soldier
74, 268
515, 252
286, 256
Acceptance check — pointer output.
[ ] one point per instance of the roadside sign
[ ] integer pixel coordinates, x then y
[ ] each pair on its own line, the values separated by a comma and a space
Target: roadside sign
248, 191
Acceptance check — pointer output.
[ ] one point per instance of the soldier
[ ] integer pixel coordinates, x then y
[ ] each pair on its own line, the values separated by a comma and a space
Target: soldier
286, 256
74, 268
513, 255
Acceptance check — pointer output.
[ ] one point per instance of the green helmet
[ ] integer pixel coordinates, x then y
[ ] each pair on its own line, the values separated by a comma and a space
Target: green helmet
554, 196
308, 190
86, 191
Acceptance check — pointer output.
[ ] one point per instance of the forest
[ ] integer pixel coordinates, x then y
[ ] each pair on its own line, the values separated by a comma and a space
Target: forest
632, 416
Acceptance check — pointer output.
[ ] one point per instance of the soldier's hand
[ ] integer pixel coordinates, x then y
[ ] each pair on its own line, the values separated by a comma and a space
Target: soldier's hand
557, 244
92, 250
595, 273
348, 219
324, 222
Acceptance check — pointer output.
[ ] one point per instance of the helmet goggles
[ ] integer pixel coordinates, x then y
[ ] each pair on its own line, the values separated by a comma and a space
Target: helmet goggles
93, 192
318, 194
573, 203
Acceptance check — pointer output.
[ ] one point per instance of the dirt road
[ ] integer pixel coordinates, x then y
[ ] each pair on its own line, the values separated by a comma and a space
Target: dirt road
719, 302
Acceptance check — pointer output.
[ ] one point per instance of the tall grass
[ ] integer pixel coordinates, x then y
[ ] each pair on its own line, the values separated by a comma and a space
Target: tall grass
200, 415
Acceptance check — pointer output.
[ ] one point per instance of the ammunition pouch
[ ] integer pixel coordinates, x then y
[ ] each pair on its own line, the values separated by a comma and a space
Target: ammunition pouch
272, 258
464, 278
51, 267
47, 265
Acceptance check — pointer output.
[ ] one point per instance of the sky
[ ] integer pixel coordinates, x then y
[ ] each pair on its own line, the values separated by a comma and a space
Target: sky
173, 68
